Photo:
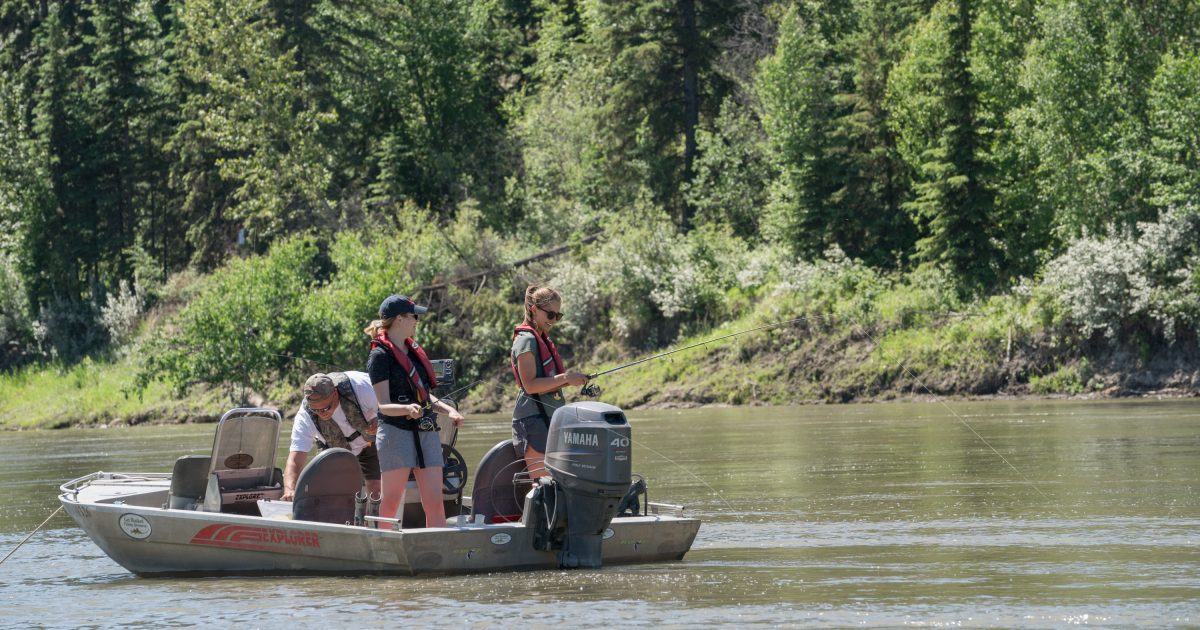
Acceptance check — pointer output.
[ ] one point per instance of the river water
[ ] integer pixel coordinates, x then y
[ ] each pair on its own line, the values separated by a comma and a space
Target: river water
1023, 514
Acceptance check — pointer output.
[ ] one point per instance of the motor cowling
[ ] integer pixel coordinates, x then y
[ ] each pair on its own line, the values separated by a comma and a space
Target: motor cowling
588, 455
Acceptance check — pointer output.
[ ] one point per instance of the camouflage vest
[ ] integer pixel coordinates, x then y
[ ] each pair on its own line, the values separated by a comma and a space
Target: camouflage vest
331, 433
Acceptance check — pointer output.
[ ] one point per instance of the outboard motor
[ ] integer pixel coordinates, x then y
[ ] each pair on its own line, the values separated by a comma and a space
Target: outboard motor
588, 456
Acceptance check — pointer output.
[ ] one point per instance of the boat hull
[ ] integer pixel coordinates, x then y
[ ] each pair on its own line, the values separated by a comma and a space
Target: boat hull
152, 541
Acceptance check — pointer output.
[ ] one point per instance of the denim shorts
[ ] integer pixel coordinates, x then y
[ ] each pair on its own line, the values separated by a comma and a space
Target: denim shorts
529, 432
397, 450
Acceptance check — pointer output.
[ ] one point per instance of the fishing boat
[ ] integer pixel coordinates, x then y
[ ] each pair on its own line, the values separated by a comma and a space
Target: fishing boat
221, 514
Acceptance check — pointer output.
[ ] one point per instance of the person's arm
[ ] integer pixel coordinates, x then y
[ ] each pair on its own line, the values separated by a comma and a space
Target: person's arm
378, 368
291, 473
402, 411
534, 384
455, 415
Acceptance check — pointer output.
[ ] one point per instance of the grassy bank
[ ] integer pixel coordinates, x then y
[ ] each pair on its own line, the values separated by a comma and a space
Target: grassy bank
871, 355
94, 393
1109, 318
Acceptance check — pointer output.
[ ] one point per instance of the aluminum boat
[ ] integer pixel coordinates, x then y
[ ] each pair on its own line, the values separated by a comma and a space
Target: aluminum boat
221, 513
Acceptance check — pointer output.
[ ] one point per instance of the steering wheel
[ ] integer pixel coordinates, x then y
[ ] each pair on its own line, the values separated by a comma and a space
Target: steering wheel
454, 471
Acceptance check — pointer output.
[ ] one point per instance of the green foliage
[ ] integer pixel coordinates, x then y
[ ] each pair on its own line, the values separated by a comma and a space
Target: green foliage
1067, 379
644, 279
302, 307
732, 171
16, 328
1175, 137
935, 104
797, 98
248, 113
442, 143
863, 163
240, 322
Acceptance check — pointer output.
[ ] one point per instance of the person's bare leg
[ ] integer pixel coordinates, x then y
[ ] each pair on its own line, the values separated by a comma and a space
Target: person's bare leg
535, 463
392, 487
429, 484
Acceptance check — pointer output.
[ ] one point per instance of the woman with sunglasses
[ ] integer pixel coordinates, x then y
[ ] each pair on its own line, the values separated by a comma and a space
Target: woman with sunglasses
540, 375
408, 441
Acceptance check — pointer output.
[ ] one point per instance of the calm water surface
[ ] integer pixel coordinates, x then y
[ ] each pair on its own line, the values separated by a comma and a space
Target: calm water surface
997, 514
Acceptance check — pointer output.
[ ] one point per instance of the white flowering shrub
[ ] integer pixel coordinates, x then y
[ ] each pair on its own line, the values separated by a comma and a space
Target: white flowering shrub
121, 313
643, 275
1148, 279
66, 330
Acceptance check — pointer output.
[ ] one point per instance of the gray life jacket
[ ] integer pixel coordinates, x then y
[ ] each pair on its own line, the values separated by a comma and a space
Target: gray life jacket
331, 433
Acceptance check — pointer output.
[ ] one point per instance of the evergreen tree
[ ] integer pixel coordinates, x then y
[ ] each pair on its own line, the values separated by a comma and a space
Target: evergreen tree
116, 100
249, 147
870, 222
935, 102
797, 99
659, 84
442, 140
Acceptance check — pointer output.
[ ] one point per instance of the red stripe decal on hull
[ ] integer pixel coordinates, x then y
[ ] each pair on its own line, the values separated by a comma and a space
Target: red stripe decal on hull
258, 538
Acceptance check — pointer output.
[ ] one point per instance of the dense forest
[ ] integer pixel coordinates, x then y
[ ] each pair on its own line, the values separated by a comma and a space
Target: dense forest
223, 191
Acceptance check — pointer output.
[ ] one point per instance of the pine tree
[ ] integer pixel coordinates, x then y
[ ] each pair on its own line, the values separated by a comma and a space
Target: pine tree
936, 103
871, 223
659, 84
797, 99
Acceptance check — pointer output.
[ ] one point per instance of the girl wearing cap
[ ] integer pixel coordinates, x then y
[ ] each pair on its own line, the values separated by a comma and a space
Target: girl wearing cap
403, 380
540, 375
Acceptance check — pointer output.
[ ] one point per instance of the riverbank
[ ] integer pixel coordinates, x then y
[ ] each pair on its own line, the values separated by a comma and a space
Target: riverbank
793, 365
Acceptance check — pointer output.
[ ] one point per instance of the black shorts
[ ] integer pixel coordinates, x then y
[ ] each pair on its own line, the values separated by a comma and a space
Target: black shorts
368, 460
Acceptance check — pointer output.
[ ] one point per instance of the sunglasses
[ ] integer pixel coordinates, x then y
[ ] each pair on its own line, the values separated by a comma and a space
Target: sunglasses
331, 405
554, 316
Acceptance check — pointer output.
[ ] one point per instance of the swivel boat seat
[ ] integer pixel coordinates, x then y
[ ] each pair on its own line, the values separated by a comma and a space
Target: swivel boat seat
326, 488
189, 480
498, 495
242, 466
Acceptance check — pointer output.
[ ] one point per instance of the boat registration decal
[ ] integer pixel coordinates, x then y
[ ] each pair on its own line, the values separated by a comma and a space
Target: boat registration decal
258, 538
501, 539
135, 526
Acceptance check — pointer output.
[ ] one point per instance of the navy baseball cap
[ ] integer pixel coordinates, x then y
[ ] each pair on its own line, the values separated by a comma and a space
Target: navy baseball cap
398, 305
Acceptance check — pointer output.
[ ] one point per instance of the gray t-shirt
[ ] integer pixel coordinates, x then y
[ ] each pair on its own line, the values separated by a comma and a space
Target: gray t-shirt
526, 406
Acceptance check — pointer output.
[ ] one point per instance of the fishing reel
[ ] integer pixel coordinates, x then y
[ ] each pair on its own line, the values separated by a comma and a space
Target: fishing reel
591, 390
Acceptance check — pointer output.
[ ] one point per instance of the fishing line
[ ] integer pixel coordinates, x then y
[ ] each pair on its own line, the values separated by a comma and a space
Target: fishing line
964, 422
648, 448
35, 530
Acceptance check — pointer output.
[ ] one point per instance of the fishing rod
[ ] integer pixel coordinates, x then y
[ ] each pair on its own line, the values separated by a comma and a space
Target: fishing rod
715, 339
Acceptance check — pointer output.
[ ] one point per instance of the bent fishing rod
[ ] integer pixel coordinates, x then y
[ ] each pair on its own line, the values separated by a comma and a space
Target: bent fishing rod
695, 345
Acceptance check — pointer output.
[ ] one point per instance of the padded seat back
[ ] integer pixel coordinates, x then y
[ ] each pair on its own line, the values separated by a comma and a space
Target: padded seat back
189, 478
326, 488
495, 493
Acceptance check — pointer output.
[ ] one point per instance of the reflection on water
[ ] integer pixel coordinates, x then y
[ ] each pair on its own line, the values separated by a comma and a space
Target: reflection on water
1020, 514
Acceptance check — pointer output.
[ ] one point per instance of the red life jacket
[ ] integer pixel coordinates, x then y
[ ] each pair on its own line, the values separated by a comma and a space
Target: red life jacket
547, 354
418, 385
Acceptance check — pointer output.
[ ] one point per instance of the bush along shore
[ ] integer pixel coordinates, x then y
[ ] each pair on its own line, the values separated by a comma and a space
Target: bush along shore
1109, 317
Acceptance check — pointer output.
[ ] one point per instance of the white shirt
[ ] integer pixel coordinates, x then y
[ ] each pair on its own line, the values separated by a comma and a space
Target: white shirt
304, 429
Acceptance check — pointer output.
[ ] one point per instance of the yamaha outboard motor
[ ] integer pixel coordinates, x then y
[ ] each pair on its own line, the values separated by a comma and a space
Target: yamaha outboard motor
588, 456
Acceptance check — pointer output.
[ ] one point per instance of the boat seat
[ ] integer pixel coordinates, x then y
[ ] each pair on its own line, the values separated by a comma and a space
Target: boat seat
189, 479
326, 488
495, 495
242, 466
